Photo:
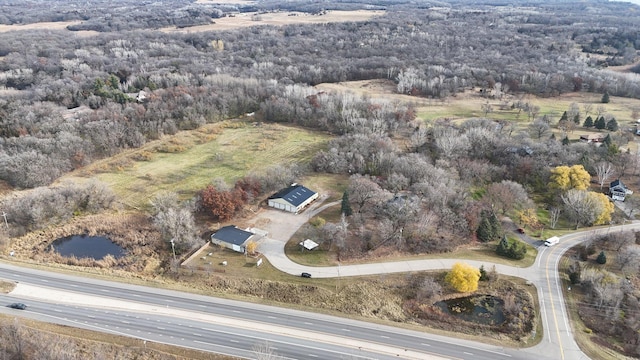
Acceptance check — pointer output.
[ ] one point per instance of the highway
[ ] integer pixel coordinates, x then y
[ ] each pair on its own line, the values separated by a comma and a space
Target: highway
235, 327
226, 326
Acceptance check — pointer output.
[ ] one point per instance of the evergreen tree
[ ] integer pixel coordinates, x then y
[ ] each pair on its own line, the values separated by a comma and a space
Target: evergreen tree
605, 98
576, 119
503, 247
602, 258
588, 122
612, 125
600, 123
483, 274
496, 227
346, 206
484, 232
564, 117
607, 140
565, 141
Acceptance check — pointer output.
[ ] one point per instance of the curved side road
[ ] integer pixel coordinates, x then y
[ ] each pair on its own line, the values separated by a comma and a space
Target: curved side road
558, 341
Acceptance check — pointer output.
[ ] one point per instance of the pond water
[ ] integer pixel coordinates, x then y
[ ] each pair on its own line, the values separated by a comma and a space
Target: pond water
85, 246
482, 309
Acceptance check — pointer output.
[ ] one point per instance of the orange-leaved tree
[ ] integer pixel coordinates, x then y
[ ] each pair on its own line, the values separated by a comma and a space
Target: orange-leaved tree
463, 277
222, 204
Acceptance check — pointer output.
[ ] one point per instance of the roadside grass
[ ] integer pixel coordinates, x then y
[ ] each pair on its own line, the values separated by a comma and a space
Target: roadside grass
110, 345
6, 286
189, 161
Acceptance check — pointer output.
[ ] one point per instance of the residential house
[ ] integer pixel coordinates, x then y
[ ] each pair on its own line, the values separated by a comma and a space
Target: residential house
232, 238
293, 198
618, 191
592, 138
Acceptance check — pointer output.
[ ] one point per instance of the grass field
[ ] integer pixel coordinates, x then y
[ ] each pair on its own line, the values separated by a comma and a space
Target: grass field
278, 19
469, 105
189, 161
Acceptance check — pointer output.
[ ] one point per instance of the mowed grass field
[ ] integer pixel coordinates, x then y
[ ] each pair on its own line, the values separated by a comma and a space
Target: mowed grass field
190, 160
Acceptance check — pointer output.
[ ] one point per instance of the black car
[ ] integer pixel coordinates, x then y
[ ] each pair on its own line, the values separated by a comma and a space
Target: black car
305, 275
19, 306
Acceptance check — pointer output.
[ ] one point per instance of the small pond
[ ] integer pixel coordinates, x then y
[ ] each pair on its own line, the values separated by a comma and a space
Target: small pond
85, 246
482, 309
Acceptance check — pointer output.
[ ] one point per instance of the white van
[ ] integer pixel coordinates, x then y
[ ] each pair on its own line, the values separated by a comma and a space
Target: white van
552, 241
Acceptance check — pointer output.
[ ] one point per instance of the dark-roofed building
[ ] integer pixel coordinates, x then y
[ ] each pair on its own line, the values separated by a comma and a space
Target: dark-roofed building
618, 191
292, 199
232, 238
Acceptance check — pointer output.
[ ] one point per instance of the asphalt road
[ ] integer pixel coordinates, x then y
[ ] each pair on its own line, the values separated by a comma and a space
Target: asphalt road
225, 326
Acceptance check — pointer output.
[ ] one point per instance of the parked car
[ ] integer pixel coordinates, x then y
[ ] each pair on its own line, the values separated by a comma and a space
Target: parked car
19, 306
305, 275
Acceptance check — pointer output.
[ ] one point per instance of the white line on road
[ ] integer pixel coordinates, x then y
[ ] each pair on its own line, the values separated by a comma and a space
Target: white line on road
384, 337
467, 353
424, 344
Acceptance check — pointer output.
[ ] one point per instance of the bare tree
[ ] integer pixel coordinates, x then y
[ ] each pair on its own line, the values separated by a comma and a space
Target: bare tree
507, 195
429, 290
587, 108
450, 143
175, 222
628, 259
554, 216
604, 171
15, 339
363, 192
486, 108
539, 129
580, 207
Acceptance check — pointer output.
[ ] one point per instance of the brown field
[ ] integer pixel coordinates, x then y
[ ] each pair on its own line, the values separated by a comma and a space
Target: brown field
62, 25
278, 19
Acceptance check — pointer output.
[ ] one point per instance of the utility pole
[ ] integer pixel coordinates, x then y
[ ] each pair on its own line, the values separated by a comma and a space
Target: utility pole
173, 248
4, 215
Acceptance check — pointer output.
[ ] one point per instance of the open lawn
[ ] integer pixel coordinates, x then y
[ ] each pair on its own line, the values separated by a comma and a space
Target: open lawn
189, 161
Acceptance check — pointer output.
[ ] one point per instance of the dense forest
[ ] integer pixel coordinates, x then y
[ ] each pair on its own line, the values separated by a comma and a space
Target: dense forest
202, 77
68, 100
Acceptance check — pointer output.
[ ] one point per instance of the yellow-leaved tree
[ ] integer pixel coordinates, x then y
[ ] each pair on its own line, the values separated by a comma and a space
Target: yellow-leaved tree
570, 177
251, 248
604, 217
463, 277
